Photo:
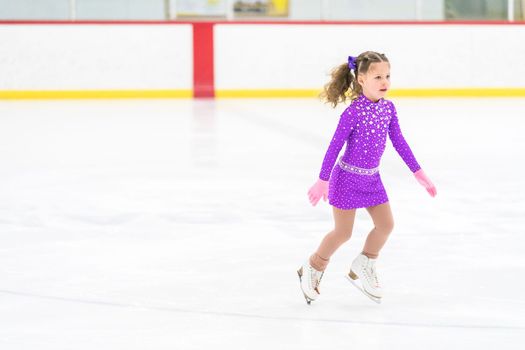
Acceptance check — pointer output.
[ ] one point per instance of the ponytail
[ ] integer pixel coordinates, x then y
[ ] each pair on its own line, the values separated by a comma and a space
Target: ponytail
335, 91
343, 84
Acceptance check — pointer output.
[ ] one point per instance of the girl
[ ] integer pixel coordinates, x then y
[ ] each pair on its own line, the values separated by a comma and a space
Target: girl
355, 181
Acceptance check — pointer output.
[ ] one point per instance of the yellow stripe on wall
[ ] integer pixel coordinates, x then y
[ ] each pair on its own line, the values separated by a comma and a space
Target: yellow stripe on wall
93, 94
247, 93
465, 92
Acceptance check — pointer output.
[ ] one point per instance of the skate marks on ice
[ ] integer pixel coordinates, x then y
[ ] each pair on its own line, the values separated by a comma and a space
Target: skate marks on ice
166, 306
152, 204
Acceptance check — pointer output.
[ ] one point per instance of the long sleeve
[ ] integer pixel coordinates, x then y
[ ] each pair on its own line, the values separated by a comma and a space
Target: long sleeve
342, 132
399, 143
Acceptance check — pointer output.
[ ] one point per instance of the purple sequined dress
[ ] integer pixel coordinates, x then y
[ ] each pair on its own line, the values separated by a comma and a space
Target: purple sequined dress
355, 181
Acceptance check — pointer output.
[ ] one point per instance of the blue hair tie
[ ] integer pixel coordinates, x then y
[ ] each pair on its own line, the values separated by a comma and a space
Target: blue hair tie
351, 62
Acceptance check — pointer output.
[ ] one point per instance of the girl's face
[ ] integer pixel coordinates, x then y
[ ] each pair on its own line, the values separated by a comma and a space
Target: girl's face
376, 81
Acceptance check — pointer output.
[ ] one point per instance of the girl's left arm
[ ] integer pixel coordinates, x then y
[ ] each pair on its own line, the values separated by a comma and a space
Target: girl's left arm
399, 143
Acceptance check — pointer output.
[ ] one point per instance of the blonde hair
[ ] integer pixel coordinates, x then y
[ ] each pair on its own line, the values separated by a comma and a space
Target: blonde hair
343, 84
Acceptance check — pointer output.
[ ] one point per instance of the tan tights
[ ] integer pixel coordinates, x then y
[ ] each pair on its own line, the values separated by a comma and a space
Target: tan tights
344, 222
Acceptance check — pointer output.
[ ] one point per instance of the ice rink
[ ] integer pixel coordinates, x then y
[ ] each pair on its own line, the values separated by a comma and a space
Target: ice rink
180, 224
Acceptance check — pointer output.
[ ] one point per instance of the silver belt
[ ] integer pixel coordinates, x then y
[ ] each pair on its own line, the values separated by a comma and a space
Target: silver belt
357, 170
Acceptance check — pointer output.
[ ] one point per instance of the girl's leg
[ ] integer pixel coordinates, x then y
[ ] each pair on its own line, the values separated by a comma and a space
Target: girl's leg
344, 222
384, 224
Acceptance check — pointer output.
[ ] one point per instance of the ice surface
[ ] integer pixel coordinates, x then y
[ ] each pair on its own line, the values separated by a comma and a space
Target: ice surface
179, 224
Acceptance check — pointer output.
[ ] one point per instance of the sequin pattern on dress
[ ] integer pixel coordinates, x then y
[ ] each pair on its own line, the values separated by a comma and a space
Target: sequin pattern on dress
364, 126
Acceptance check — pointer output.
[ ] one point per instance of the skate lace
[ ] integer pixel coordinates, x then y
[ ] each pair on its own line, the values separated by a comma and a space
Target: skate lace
316, 279
373, 275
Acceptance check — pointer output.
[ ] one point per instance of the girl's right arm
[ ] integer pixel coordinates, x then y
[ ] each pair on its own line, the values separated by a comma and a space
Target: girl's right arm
343, 130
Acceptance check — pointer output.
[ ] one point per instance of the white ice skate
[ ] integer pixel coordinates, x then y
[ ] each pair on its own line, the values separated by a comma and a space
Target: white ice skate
310, 279
364, 270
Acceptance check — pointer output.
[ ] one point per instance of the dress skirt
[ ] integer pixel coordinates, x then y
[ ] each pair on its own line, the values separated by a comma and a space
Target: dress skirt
348, 190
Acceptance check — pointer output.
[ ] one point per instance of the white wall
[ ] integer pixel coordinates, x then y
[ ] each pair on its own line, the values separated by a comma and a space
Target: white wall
422, 56
256, 56
84, 57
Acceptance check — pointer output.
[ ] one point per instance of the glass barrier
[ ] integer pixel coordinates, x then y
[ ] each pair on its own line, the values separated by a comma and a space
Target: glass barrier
294, 10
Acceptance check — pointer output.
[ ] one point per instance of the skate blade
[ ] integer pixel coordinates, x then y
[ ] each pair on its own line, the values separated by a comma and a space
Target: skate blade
300, 274
358, 286
308, 300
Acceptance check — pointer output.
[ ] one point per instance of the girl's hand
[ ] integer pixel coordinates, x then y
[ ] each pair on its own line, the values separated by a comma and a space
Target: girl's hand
318, 190
423, 179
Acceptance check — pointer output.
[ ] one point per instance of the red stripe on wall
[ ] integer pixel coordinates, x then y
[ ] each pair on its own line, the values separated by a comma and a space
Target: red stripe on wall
203, 74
